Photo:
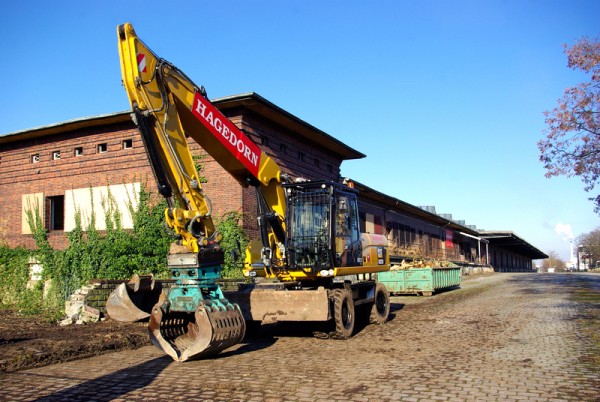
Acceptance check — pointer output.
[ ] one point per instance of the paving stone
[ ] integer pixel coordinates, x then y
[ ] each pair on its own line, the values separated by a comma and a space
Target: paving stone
500, 337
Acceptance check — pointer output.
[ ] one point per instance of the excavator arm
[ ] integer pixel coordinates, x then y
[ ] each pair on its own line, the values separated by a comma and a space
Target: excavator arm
168, 107
192, 318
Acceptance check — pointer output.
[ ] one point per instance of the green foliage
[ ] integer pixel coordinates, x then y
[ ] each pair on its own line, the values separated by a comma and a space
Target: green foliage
120, 253
199, 165
116, 254
234, 240
14, 273
152, 236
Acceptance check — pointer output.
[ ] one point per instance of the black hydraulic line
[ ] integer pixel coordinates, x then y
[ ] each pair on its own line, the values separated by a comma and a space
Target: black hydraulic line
160, 173
267, 217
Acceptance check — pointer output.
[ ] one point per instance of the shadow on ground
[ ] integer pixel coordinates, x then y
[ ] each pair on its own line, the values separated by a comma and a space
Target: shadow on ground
113, 385
122, 382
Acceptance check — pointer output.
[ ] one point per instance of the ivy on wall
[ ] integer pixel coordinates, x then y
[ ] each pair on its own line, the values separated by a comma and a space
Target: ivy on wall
116, 253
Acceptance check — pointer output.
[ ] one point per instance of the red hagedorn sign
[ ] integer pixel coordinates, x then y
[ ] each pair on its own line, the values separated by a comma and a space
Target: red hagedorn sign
227, 133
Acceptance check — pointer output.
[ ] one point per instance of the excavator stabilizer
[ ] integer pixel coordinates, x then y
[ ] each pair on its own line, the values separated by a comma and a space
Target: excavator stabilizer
215, 326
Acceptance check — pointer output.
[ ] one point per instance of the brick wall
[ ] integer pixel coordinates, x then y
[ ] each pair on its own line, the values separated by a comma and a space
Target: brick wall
112, 164
293, 153
110, 154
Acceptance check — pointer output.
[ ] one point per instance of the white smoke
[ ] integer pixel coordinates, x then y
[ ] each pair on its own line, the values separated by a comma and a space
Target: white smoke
564, 230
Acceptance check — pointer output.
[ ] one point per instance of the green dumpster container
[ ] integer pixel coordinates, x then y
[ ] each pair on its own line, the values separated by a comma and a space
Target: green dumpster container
421, 281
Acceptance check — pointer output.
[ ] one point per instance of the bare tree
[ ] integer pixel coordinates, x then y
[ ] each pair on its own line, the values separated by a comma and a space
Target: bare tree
571, 146
553, 261
589, 248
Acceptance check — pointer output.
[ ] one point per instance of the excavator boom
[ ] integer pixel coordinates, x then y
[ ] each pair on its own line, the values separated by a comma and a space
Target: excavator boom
192, 318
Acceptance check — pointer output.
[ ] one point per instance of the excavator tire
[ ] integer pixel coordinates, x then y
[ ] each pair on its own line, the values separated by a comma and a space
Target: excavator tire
343, 313
186, 336
381, 306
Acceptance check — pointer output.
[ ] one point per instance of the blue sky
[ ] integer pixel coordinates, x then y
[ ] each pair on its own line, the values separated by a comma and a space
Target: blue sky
445, 98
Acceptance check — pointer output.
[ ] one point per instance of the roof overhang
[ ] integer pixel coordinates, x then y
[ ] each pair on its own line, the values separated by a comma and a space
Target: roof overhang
262, 107
398, 206
511, 242
66, 126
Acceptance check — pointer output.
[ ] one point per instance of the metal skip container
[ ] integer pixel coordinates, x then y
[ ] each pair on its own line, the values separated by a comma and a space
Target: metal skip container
421, 281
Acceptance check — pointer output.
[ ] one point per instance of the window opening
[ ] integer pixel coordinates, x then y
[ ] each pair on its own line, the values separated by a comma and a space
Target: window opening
35, 158
102, 148
128, 143
78, 151
56, 155
56, 206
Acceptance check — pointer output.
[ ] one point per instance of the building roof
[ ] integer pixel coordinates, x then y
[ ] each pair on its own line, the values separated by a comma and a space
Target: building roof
505, 239
510, 241
262, 107
65, 126
250, 101
272, 112
398, 205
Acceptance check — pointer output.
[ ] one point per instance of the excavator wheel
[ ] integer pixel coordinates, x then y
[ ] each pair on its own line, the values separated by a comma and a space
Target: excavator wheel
381, 306
343, 313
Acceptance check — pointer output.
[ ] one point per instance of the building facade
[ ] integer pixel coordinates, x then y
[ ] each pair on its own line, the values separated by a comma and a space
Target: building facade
90, 165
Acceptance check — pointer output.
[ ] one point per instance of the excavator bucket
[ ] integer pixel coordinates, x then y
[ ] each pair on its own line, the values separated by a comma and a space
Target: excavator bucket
133, 301
213, 327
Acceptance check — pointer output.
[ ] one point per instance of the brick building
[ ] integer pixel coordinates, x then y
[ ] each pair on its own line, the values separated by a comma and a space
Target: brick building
83, 164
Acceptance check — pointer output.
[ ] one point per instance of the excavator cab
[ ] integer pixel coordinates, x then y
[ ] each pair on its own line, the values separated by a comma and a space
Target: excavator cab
323, 227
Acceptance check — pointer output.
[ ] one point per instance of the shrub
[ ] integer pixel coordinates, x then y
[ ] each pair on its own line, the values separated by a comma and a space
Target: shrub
234, 240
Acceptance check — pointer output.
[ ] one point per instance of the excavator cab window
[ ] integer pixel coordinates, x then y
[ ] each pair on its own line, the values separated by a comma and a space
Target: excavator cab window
309, 228
347, 231
323, 229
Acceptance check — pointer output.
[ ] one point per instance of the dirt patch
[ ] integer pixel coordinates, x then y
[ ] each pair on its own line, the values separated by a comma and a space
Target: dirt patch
28, 341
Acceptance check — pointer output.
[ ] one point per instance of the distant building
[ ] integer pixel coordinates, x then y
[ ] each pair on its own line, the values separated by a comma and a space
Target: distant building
79, 165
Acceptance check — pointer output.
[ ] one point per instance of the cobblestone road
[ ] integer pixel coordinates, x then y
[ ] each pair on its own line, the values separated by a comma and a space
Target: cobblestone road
498, 337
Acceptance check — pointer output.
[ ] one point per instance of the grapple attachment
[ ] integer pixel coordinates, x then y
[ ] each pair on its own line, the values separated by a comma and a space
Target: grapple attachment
213, 327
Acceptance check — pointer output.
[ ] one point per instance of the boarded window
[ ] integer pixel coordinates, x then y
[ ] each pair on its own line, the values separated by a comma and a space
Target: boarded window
32, 206
99, 200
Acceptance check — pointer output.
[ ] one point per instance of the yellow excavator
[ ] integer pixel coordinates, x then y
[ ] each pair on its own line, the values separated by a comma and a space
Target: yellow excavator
311, 263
